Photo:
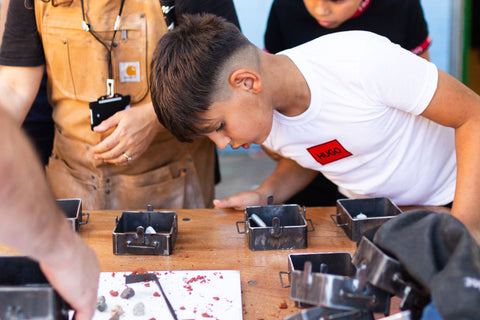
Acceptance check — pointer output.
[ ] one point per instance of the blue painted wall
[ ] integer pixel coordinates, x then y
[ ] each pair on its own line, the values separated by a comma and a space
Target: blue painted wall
438, 16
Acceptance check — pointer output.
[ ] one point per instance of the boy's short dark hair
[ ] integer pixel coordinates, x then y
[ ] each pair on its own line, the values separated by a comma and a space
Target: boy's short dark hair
185, 68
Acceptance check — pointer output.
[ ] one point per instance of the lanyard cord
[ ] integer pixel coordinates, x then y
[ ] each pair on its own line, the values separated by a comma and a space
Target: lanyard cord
86, 27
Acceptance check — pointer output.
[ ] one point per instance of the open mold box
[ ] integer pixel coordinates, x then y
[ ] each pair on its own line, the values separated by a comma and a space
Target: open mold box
274, 227
387, 273
336, 262
25, 292
73, 211
321, 313
330, 280
356, 216
132, 236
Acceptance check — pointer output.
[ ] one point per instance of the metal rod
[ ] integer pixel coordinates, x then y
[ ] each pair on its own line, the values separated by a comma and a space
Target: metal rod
258, 220
172, 311
134, 278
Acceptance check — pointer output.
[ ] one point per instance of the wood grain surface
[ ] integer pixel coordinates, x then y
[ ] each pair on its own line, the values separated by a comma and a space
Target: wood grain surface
208, 240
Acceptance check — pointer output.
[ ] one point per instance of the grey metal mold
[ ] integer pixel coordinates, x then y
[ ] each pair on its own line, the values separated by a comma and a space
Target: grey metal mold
273, 227
131, 235
25, 292
356, 216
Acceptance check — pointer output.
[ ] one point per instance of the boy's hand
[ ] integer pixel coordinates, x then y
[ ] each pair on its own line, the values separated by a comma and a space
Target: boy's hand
241, 200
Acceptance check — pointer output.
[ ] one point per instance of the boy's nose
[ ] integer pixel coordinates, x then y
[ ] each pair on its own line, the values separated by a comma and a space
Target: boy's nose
322, 8
220, 140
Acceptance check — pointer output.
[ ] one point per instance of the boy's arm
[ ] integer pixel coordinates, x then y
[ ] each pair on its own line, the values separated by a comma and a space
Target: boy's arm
455, 105
287, 179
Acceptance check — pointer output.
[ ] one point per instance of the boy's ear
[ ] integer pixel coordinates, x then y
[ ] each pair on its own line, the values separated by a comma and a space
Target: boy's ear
246, 80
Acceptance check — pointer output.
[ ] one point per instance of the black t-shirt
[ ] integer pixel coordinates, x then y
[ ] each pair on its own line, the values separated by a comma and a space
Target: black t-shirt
402, 21
22, 46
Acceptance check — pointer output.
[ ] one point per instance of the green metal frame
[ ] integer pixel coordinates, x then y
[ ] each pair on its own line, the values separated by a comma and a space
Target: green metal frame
467, 33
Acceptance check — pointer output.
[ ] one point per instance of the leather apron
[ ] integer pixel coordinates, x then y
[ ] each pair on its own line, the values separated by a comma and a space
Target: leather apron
170, 174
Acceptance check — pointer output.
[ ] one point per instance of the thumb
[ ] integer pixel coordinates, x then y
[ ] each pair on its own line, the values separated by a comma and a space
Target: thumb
109, 123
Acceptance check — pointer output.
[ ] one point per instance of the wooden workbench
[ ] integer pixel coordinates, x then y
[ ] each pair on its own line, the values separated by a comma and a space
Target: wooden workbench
208, 240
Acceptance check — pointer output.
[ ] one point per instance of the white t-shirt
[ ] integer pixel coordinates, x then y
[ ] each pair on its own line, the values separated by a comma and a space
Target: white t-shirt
362, 128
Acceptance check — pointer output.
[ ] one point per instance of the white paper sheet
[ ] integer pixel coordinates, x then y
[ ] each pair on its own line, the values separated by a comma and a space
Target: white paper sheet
194, 294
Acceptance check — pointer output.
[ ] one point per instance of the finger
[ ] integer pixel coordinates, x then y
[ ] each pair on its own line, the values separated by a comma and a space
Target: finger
117, 153
109, 123
227, 203
123, 159
106, 145
220, 204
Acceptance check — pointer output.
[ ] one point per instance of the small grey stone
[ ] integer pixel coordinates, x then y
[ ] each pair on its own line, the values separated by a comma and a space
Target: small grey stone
150, 230
361, 215
127, 293
139, 309
117, 311
101, 304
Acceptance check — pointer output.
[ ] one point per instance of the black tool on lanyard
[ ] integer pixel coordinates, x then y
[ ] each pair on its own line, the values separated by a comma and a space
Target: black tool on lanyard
112, 102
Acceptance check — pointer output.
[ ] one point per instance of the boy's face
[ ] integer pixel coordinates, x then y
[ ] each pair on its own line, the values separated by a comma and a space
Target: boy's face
238, 121
332, 13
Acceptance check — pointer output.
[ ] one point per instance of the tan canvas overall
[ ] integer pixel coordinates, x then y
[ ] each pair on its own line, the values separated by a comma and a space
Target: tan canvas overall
169, 174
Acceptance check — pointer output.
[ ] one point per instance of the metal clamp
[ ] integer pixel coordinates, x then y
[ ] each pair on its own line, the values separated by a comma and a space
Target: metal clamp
349, 295
336, 223
110, 88
154, 245
270, 200
311, 222
322, 313
83, 215
277, 229
304, 210
244, 227
281, 279
139, 241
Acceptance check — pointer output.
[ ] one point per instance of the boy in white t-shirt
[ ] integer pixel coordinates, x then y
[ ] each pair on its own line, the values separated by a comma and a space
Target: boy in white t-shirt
379, 122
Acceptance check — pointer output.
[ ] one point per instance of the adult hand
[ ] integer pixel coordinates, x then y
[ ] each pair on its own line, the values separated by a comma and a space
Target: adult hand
75, 278
135, 129
242, 199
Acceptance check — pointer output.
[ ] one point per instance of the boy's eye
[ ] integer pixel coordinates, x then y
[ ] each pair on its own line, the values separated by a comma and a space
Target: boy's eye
220, 127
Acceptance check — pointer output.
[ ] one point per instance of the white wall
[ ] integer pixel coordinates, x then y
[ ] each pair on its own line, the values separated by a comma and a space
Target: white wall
253, 16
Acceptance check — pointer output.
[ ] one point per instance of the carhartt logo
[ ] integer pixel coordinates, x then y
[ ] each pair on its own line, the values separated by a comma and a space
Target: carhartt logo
328, 152
129, 71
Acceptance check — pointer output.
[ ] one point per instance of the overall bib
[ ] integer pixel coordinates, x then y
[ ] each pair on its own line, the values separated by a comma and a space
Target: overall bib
169, 174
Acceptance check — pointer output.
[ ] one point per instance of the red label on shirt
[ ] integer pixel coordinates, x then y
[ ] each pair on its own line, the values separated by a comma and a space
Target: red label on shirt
328, 152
